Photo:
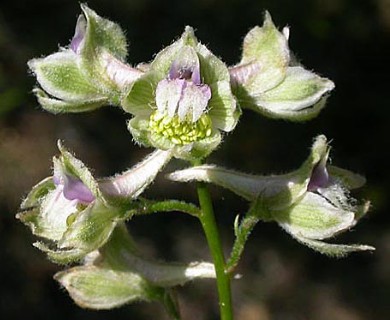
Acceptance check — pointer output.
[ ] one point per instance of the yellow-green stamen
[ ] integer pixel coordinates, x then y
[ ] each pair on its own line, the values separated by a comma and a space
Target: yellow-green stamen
180, 131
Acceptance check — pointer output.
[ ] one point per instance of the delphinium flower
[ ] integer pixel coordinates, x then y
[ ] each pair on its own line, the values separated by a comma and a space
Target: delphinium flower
269, 80
90, 72
183, 101
312, 203
75, 213
80, 219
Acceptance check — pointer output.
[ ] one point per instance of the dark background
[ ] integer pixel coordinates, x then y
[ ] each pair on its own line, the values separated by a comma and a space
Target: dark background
344, 40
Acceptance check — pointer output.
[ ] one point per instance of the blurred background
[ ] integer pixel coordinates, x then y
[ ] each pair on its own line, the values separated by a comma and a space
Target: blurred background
344, 40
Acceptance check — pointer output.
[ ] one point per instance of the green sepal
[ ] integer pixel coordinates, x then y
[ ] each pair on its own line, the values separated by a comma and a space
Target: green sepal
348, 178
37, 192
103, 42
296, 98
121, 253
60, 76
59, 106
62, 257
49, 219
141, 99
101, 34
163, 60
223, 109
269, 81
314, 217
71, 165
90, 73
222, 106
99, 288
91, 227
267, 48
331, 249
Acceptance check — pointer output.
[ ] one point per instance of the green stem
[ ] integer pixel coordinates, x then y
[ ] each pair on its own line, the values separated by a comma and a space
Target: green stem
207, 219
242, 232
143, 207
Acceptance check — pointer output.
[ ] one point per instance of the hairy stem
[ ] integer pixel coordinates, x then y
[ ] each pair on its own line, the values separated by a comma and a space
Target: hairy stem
209, 225
144, 207
242, 233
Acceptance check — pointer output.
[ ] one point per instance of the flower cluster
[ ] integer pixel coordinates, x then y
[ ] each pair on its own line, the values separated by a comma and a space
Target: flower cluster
182, 104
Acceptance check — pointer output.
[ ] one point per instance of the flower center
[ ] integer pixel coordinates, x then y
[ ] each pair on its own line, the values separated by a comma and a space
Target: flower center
178, 131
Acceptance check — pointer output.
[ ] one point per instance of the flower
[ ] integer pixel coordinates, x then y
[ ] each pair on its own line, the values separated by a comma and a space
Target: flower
88, 74
118, 274
270, 81
75, 213
311, 203
183, 100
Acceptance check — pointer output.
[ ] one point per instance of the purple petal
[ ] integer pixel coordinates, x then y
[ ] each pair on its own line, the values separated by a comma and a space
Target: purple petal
186, 66
319, 178
56, 180
196, 75
75, 189
180, 71
79, 34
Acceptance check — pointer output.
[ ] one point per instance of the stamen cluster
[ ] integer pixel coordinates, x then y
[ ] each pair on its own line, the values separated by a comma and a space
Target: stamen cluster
178, 131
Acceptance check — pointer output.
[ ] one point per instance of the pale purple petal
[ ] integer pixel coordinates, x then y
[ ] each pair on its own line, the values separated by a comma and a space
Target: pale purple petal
186, 66
241, 74
174, 71
56, 179
79, 34
319, 178
168, 95
194, 101
196, 75
75, 189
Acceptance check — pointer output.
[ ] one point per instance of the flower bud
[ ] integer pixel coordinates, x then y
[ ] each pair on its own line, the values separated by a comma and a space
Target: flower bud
117, 274
269, 82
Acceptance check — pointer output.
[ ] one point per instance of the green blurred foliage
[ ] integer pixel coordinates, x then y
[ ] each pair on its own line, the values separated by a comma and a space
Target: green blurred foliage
344, 40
